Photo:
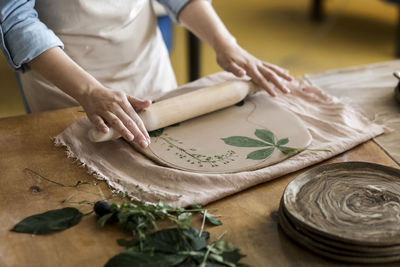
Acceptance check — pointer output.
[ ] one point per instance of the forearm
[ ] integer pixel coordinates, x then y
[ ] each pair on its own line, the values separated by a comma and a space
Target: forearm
100, 103
200, 18
59, 69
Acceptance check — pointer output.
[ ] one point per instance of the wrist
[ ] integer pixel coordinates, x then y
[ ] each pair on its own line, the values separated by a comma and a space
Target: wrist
83, 91
82, 86
224, 44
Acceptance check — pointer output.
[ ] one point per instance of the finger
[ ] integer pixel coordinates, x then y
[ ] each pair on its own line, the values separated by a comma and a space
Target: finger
275, 67
139, 104
132, 127
98, 122
260, 80
127, 107
236, 70
271, 76
118, 126
280, 71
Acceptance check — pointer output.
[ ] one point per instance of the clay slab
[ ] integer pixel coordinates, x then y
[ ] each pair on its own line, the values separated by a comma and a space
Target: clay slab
197, 145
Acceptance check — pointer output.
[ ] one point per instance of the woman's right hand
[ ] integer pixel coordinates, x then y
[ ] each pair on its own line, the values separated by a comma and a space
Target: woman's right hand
104, 107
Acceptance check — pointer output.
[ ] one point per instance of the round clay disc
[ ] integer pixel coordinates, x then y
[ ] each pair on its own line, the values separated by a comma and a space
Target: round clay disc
356, 203
330, 251
234, 139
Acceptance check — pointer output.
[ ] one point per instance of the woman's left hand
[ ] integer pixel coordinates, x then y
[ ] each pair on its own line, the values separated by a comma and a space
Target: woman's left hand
200, 18
231, 57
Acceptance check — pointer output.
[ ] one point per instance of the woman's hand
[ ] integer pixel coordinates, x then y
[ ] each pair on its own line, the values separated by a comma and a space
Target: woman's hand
106, 107
101, 104
231, 57
200, 18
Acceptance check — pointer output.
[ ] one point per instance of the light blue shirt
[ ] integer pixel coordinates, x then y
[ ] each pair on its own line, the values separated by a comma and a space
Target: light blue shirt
23, 36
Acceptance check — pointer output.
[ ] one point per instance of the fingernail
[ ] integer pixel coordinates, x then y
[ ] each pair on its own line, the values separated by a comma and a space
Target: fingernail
130, 138
143, 144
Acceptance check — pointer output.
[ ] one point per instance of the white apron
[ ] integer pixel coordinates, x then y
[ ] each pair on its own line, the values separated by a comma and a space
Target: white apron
117, 41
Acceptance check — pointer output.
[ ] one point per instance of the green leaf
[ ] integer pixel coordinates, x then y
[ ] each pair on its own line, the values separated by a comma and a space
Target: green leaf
174, 239
197, 242
282, 142
164, 206
211, 219
222, 246
185, 219
286, 150
176, 247
261, 154
180, 210
103, 219
50, 221
127, 243
156, 133
242, 141
196, 206
139, 259
265, 135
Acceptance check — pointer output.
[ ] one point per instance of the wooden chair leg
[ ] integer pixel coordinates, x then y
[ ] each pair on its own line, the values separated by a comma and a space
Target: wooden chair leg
193, 56
317, 10
397, 37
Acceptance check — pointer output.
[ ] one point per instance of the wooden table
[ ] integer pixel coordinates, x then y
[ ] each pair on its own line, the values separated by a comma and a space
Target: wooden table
25, 143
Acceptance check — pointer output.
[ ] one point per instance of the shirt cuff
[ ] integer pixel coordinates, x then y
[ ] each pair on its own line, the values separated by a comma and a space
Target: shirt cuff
25, 41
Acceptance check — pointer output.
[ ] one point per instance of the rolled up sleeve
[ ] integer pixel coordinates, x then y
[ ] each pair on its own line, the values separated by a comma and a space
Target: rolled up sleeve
173, 7
22, 35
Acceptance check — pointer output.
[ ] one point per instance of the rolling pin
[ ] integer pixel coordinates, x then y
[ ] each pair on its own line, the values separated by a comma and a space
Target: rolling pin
186, 106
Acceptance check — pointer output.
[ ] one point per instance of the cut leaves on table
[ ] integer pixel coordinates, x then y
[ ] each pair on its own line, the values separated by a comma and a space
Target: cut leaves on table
49, 221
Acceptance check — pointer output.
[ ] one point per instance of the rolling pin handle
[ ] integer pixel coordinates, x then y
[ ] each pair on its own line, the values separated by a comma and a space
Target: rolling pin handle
97, 136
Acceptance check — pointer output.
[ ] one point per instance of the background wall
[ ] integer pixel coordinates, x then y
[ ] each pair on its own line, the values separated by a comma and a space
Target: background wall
354, 32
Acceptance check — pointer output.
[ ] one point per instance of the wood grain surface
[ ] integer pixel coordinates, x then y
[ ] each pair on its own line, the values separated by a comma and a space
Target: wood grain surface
249, 217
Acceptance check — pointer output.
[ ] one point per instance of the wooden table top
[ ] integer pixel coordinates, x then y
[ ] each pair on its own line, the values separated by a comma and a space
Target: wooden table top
249, 217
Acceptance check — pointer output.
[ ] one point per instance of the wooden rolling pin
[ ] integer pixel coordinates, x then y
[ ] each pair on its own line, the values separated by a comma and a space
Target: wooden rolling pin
186, 106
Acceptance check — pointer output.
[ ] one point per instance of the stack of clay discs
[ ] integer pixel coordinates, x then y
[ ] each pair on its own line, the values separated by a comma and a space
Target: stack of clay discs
345, 211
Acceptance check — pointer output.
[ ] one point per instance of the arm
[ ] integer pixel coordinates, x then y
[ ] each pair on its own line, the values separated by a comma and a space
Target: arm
27, 42
22, 35
100, 103
200, 18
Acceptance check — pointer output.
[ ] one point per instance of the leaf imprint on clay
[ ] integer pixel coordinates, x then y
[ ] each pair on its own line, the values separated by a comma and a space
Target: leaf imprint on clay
268, 141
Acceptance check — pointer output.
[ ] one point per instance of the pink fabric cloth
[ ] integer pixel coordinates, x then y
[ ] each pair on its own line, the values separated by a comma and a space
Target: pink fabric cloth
332, 124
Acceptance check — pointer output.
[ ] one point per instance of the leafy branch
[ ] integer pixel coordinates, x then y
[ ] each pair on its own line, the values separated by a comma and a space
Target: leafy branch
181, 246
268, 140
142, 218
78, 183
178, 247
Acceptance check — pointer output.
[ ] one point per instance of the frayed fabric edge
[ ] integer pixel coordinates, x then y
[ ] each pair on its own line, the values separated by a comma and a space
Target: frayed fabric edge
93, 171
